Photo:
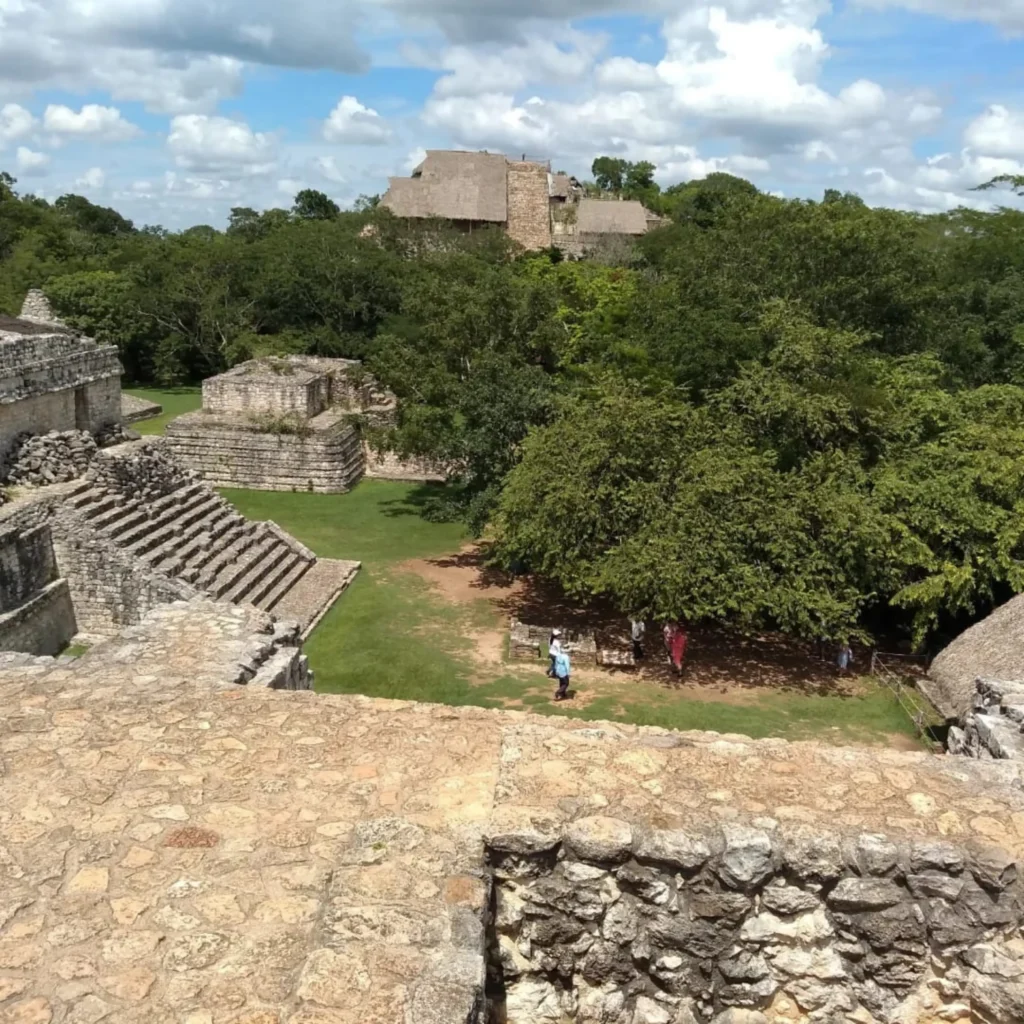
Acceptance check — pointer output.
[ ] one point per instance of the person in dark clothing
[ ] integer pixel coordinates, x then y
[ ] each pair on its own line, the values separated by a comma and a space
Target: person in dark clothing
636, 631
562, 670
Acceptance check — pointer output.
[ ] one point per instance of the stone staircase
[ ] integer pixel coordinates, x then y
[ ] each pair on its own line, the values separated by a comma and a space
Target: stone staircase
194, 535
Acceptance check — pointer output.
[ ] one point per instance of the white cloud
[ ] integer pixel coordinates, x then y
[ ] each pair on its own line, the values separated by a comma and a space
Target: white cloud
998, 132
1007, 15
351, 122
94, 178
31, 163
327, 167
92, 121
200, 142
15, 123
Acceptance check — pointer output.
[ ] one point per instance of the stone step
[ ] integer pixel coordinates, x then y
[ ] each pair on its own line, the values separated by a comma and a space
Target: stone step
127, 524
103, 503
199, 537
271, 596
273, 562
107, 519
86, 496
153, 538
227, 555
198, 512
177, 499
208, 546
236, 578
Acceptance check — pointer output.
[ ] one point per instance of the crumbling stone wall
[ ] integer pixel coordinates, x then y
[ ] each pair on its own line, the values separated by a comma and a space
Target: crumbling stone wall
609, 924
529, 204
993, 726
44, 624
56, 382
37, 309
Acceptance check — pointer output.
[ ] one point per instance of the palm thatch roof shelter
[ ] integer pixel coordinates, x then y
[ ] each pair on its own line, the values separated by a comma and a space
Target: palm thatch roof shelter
455, 186
611, 217
993, 648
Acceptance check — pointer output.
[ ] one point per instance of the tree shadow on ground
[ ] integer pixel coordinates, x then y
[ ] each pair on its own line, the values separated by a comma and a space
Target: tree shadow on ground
716, 657
414, 502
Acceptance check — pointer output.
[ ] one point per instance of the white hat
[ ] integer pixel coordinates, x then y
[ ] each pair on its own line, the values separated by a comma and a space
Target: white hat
556, 632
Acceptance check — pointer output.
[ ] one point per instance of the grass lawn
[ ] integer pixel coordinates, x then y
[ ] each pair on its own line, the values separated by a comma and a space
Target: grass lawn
175, 401
392, 636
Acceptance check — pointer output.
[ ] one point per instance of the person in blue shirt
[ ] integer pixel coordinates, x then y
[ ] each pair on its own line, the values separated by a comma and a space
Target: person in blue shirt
562, 670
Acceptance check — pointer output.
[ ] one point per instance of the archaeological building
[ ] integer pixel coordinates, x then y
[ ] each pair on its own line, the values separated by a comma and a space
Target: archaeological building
189, 834
295, 423
536, 208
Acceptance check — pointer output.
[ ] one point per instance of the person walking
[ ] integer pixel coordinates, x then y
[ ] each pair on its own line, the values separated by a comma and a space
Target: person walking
668, 632
637, 628
845, 659
554, 649
562, 669
678, 647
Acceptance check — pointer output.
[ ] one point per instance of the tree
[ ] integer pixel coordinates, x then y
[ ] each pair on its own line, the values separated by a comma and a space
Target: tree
93, 219
313, 205
609, 173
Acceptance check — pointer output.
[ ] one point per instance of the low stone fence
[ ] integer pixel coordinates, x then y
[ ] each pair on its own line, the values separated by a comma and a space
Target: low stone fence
992, 728
525, 642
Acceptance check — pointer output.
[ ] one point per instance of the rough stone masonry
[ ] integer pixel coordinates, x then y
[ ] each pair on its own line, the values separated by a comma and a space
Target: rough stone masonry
181, 842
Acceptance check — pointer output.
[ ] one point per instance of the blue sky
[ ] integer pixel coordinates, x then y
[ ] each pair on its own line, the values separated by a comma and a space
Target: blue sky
174, 111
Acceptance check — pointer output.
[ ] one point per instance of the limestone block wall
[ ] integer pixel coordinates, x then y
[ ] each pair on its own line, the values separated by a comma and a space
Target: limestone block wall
109, 588
605, 923
529, 204
246, 391
994, 726
27, 562
43, 624
389, 466
236, 455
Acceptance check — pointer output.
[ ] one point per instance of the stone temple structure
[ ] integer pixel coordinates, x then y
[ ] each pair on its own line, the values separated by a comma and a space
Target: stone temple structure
291, 424
106, 534
51, 378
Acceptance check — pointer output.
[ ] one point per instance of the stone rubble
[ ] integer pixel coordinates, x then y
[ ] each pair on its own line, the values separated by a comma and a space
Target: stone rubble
993, 726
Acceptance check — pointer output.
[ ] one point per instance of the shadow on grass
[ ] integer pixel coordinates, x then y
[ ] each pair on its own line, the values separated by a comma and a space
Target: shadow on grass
414, 502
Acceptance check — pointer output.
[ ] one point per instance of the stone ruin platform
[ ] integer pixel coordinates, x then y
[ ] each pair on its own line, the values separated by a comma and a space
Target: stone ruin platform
291, 424
181, 842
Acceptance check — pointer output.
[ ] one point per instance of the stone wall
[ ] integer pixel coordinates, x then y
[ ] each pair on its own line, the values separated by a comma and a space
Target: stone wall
134, 409
234, 454
36, 308
26, 562
606, 924
529, 204
109, 588
44, 624
254, 390
55, 382
390, 466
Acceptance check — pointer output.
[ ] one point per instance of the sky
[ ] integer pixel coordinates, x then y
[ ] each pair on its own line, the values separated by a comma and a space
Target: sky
175, 111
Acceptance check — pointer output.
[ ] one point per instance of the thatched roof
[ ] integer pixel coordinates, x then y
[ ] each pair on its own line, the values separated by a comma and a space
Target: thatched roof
611, 217
453, 186
993, 648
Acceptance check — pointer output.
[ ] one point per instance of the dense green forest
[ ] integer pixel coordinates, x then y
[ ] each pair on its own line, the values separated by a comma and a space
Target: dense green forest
773, 413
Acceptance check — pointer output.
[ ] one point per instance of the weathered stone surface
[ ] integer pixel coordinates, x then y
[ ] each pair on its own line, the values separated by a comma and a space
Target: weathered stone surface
873, 855
673, 847
1000, 1000
788, 900
746, 860
600, 838
865, 894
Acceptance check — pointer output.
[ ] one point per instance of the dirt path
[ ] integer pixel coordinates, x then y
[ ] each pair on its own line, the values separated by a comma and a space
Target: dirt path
720, 668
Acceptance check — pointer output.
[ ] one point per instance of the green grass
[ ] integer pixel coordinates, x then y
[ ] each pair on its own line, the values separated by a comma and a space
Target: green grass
391, 636
73, 650
175, 401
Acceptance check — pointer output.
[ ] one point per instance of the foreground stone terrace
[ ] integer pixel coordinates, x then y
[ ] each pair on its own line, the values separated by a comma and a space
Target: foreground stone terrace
177, 846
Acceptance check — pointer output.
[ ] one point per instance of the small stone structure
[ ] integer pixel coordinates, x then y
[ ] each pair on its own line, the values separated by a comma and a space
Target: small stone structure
291, 424
525, 642
137, 532
51, 378
181, 842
